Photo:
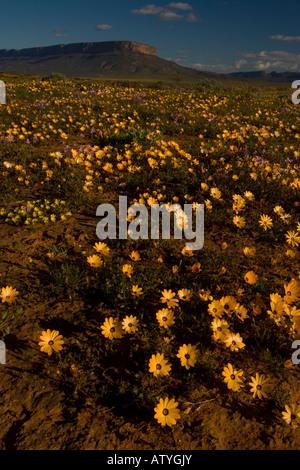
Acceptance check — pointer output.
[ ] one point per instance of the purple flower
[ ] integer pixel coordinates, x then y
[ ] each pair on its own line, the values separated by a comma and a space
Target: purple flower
237, 313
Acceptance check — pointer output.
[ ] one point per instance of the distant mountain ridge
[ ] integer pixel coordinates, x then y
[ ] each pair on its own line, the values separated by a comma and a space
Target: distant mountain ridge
112, 59
277, 77
77, 48
117, 60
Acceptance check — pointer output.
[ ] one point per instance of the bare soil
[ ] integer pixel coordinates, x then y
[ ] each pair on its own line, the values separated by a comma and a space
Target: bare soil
39, 412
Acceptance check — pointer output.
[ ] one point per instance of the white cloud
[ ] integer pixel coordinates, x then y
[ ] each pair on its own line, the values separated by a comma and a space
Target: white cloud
220, 68
148, 10
265, 60
180, 6
281, 37
103, 27
170, 16
60, 33
217, 68
238, 64
185, 52
191, 18
167, 13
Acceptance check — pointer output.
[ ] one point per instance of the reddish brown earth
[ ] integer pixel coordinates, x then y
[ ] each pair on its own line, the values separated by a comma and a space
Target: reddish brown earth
37, 412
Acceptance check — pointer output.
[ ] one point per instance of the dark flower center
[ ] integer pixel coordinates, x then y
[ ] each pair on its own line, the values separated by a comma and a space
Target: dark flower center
187, 356
51, 342
165, 412
158, 366
112, 330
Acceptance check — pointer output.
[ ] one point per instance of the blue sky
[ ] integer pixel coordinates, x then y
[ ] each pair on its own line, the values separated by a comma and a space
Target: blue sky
216, 35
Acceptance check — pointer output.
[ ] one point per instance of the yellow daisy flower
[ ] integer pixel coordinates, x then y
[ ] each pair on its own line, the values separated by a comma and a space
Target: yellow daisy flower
166, 412
292, 238
130, 324
196, 268
240, 312
228, 302
249, 251
278, 307
265, 222
186, 252
137, 291
135, 256
292, 292
187, 355
233, 378
8, 294
291, 415
95, 261
168, 297
216, 193
165, 317
260, 386
239, 221
127, 270
185, 294
112, 328
158, 365
215, 308
220, 329
234, 342
102, 248
290, 253
205, 295
251, 277
51, 341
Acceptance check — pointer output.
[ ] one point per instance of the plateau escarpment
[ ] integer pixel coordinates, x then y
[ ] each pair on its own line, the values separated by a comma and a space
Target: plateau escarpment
80, 48
112, 59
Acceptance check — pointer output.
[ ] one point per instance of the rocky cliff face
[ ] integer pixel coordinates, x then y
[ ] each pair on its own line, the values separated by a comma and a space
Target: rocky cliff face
88, 48
113, 60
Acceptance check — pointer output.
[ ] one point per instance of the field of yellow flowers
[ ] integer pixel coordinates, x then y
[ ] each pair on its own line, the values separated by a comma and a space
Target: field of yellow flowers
124, 344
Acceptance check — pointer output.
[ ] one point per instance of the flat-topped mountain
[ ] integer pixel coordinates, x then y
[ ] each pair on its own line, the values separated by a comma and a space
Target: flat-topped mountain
112, 59
117, 60
80, 48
